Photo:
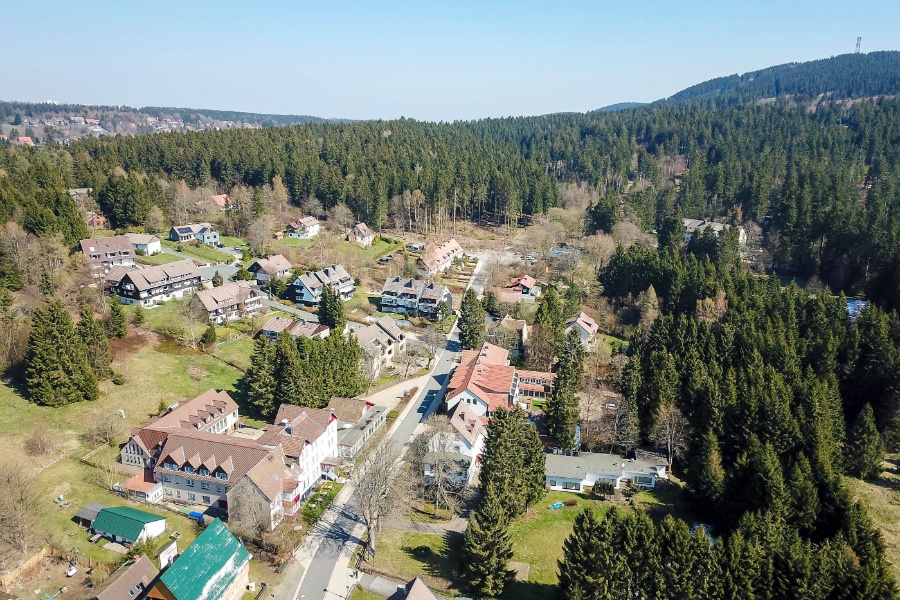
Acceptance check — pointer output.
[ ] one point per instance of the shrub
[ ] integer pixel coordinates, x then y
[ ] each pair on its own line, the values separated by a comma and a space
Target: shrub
118, 379
392, 415
570, 502
422, 551
40, 442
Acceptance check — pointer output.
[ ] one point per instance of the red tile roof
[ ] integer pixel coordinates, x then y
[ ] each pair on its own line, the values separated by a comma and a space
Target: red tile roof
488, 382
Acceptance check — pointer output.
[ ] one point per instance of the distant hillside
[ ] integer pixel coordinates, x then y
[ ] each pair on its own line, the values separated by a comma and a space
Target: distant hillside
196, 114
844, 76
620, 106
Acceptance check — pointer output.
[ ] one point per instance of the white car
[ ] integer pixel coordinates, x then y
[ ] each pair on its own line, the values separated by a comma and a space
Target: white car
71, 570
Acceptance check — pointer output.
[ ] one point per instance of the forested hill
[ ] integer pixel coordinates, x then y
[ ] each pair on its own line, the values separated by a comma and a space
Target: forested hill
196, 114
844, 76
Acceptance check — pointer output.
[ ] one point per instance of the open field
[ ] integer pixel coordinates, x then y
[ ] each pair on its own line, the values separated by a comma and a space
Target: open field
882, 499
160, 258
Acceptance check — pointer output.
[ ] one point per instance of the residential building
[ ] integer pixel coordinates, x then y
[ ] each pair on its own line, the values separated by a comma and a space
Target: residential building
203, 232
698, 226
128, 525
484, 381
273, 267
575, 473
128, 581
307, 329
303, 228
105, 253
414, 297
520, 288
462, 447
199, 468
508, 333
95, 221
268, 492
382, 342
87, 514
438, 259
229, 302
357, 421
147, 243
308, 286
361, 234
308, 437
142, 487
25, 140
210, 412
586, 327
215, 567
413, 590
151, 286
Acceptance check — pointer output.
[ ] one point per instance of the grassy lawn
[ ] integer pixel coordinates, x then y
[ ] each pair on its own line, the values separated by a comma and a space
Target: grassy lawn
200, 251
289, 242
318, 502
614, 342
230, 241
160, 258
882, 499
361, 594
236, 351
405, 555
538, 538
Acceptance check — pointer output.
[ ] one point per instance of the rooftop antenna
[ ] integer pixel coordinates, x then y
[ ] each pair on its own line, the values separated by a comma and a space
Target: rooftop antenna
858, 42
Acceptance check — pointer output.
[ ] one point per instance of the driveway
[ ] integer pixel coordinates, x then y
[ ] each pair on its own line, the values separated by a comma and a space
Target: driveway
306, 316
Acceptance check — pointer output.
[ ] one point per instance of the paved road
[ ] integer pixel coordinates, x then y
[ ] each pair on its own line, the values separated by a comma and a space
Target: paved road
337, 532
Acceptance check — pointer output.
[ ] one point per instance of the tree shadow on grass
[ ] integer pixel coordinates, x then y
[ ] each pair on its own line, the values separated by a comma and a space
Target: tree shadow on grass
441, 563
529, 590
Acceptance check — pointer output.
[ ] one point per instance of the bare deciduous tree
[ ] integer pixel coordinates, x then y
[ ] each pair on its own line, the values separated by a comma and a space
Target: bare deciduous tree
19, 496
625, 233
408, 359
432, 341
40, 442
260, 232
341, 218
108, 428
672, 431
376, 479
599, 248
445, 487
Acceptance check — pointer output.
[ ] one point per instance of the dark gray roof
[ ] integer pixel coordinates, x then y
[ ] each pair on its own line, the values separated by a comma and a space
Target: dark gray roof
90, 512
577, 467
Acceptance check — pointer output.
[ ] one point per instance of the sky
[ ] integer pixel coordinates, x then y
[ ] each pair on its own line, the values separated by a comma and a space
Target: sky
428, 60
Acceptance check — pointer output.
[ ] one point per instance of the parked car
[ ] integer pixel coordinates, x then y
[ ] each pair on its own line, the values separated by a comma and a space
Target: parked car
237, 247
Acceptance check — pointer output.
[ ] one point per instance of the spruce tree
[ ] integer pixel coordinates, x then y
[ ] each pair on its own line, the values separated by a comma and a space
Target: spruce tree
46, 285
140, 316
57, 372
534, 466
550, 315
260, 377
471, 321
217, 280
90, 332
209, 336
331, 311
288, 371
116, 325
563, 409
863, 452
513, 462
487, 548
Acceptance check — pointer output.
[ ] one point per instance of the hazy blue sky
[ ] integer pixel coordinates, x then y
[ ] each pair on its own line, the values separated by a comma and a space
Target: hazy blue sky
427, 60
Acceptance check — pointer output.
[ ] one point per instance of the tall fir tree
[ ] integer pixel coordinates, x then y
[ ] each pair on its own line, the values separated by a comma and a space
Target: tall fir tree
91, 333
331, 311
471, 321
217, 279
260, 377
288, 371
487, 548
863, 451
563, 410
550, 314
512, 464
116, 325
57, 372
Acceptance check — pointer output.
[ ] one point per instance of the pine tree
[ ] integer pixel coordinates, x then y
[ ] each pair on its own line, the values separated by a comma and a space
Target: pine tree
803, 497
57, 371
331, 311
550, 315
116, 325
288, 371
209, 336
534, 467
471, 321
217, 280
260, 377
487, 548
863, 452
563, 410
90, 332
46, 285
139, 316
589, 563
489, 303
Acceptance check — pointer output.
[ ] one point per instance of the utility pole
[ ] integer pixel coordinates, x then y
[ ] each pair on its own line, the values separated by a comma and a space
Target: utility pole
858, 42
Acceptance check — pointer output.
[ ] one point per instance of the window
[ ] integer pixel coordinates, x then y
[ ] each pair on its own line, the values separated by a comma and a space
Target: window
204, 485
552, 483
643, 480
166, 478
204, 471
219, 489
188, 469
189, 482
571, 485
221, 475
171, 466
192, 496
205, 499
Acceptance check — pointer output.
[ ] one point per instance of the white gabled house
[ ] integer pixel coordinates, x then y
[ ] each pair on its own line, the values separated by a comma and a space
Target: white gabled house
459, 451
303, 228
273, 267
308, 286
586, 327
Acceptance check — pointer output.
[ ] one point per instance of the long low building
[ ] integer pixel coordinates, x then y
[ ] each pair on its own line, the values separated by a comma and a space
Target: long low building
575, 473
308, 329
151, 286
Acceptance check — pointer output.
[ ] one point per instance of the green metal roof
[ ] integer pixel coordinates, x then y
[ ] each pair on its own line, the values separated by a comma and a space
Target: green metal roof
208, 566
124, 521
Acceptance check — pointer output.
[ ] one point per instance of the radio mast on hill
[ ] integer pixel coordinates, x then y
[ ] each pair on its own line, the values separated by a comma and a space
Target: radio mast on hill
858, 42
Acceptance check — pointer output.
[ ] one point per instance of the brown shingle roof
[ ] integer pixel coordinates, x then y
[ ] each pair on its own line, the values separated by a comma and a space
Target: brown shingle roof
118, 243
236, 292
150, 277
348, 410
436, 256
236, 456
210, 405
129, 580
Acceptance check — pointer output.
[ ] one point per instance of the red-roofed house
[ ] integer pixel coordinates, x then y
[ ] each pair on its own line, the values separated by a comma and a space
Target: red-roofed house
25, 140
438, 259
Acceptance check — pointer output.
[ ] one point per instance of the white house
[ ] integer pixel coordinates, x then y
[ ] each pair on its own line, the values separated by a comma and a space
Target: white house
575, 473
361, 234
203, 232
459, 450
273, 267
229, 302
308, 437
382, 342
308, 286
128, 525
586, 327
414, 296
147, 243
692, 226
303, 228
438, 259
